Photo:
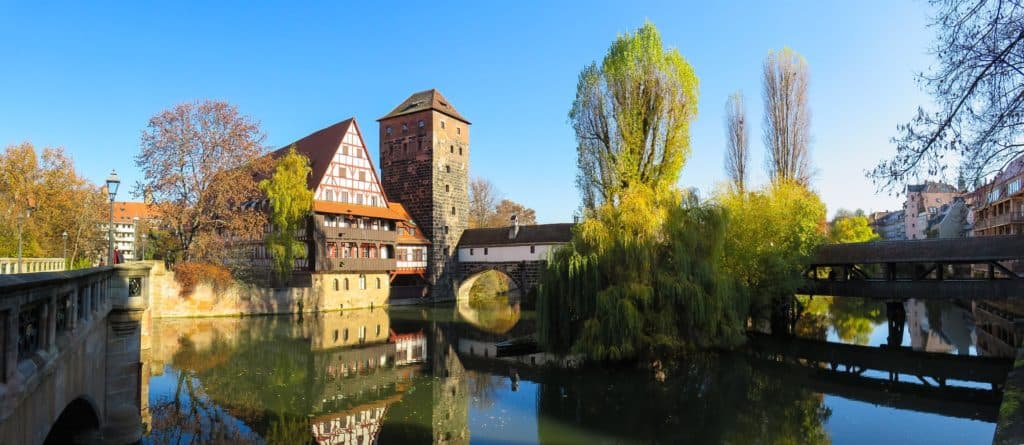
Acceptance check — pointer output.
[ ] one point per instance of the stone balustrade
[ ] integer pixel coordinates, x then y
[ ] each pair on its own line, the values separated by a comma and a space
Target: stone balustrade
72, 339
31, 265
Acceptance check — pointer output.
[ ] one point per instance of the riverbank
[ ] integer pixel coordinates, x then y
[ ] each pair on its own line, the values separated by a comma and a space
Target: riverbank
1010, 428
318, 294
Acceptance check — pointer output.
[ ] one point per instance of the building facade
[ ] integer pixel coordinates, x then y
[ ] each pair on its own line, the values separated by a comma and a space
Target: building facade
889, 225
351, 235
129, 218
924, 201
424, 157
999, 205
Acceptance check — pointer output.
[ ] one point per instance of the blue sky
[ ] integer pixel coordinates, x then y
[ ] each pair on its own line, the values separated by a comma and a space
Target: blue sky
87, 77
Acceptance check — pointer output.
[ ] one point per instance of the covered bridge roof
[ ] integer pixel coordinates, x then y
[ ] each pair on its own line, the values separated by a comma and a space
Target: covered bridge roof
501, 236
946, 250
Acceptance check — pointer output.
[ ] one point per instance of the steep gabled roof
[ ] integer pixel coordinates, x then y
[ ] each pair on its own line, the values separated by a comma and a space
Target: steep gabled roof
404, 238
320, 148
425, 100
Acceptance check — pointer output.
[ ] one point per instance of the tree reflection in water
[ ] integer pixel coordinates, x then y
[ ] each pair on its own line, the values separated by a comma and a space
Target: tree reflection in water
852, 319
709, 399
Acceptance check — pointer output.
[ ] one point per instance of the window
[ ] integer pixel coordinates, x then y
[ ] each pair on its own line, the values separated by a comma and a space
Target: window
458, 130
373, 201
460, 151
388, 131
362, 282
332, 250
362, 333
442, 123
445, 230
447, 169
485, 251
451, 149
932, 210
421, 124
335, 333
344, 196
1013, 187
378, 287
359, 199
446, 188
471, 251
533, 249
366, 253
329, 195
453, 211
345, 336
405, 128
378, 330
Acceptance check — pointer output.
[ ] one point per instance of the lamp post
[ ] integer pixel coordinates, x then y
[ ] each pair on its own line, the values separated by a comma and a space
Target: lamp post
21, 227
112, 183
65, 236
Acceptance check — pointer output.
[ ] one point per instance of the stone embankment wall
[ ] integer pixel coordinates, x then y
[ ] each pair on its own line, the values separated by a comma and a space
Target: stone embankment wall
242, 299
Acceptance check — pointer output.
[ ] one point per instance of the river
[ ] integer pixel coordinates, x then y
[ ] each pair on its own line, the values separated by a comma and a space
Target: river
415, 375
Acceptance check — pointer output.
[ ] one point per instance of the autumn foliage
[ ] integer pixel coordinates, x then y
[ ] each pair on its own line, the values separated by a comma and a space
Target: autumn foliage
190, 275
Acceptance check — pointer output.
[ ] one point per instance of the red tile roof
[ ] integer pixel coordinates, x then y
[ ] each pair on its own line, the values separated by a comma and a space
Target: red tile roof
320, 148
403, 237
126, 212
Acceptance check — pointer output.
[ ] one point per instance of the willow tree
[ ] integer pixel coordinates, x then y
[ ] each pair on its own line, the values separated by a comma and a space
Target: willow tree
787, 116
632, 117
290, 203
640, 277
737, 141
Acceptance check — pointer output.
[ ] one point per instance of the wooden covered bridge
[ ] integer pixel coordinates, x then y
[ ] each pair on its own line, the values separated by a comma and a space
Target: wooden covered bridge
970, 268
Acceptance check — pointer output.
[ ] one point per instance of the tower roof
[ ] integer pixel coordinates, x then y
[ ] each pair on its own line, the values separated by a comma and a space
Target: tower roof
425, 100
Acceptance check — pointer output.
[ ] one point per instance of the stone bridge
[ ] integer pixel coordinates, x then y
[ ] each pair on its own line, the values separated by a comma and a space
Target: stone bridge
70, 371
519, 252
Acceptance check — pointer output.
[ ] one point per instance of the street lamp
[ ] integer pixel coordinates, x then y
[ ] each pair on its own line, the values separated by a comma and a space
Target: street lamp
112, 183
65, 236
21, 227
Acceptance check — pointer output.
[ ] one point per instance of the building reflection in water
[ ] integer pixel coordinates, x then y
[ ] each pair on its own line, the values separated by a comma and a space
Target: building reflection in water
327, 379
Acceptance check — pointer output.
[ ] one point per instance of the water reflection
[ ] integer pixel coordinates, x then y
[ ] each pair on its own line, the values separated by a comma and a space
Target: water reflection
433, 376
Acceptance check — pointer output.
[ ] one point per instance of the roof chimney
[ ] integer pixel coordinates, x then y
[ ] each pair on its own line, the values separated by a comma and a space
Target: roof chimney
513, 232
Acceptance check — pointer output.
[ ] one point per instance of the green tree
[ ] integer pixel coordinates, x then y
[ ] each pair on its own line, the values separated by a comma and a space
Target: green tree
290, 203
632, 117
849, 227
771, 235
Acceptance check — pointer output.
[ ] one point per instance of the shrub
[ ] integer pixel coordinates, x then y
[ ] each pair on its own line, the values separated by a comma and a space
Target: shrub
189, 275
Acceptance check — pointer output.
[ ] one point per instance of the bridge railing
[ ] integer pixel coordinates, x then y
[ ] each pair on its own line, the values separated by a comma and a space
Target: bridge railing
31, 265
45, 315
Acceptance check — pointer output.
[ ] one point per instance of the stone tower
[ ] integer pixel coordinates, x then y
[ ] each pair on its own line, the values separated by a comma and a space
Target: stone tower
424, 159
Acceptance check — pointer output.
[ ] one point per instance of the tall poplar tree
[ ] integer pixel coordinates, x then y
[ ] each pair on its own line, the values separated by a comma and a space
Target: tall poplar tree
787, 117
737, 150
290, 203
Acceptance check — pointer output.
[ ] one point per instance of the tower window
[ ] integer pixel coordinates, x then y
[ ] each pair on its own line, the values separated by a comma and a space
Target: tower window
442, 124
458, 130
421, 124
451, 149
460, 151
447, 188
445, 230
447, 169
388, 131
405, 128
453, 211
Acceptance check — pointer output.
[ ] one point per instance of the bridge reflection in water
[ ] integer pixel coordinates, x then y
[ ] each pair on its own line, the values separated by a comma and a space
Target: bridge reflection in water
413, 375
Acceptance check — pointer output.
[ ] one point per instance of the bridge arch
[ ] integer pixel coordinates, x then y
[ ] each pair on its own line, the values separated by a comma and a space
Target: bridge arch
466, 285
77, 423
